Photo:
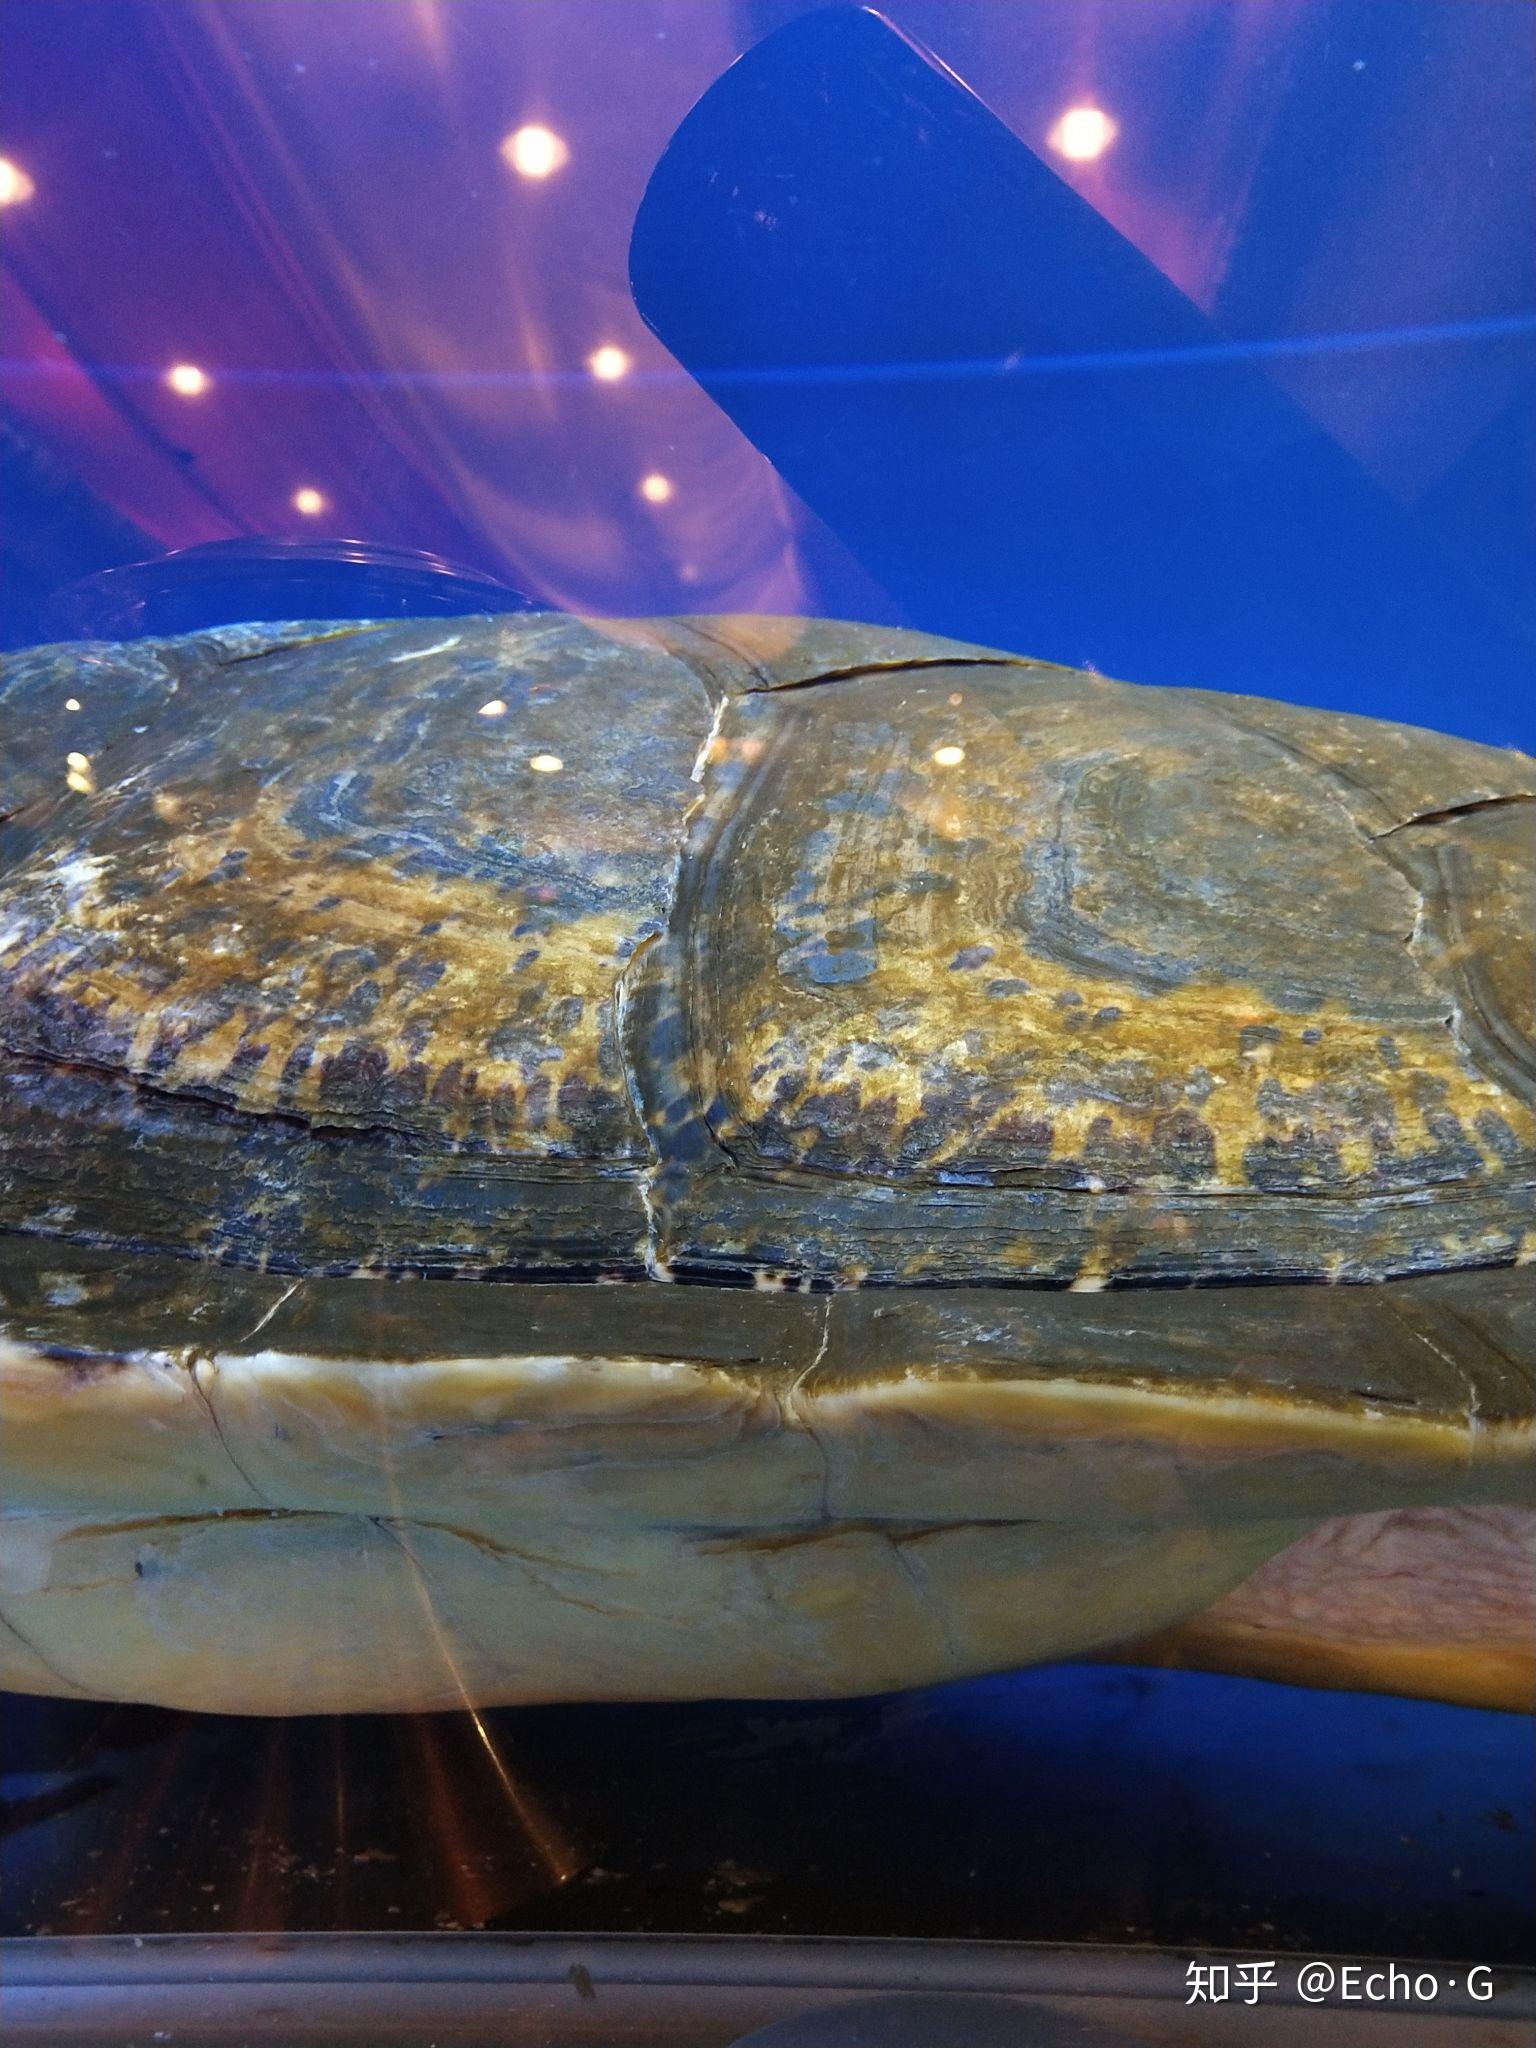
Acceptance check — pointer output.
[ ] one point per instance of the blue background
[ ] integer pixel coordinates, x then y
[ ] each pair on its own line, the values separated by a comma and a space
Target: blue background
1269, 416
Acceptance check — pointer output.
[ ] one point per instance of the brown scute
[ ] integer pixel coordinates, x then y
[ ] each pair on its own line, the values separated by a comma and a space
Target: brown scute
240, 914
831, 954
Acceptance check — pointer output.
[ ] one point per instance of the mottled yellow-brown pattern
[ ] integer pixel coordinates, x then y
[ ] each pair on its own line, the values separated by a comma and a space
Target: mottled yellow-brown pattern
334, 885
761, 951
430, 1003
793, 956
1058, 929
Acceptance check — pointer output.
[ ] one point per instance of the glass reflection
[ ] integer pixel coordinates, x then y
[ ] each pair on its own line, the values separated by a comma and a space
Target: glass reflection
324, 216
608, 363
535, 152
231, 582
15, 186
1082, 134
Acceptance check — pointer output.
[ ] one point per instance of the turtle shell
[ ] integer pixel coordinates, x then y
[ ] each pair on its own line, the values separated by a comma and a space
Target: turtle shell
750, 951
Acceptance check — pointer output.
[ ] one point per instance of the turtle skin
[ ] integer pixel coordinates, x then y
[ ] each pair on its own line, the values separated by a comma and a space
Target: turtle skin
964, 1158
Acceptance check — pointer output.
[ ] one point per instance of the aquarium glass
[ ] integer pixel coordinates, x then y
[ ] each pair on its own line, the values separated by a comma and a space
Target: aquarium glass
1190, 342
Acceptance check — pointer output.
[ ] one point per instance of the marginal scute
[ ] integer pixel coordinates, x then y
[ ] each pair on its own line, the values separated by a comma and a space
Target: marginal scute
662, 1492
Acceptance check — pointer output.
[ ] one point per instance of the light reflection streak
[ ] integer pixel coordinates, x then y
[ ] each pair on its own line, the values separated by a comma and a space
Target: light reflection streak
260, 1903
277, 200
1448, 333
116, 1881
341, 1819
474, 1898
433, 30
435, 265
552, 1849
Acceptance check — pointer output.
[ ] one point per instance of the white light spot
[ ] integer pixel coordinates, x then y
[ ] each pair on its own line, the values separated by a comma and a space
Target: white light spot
15, 186
421, 653
545, 764
187, 380
82, 762
608, 363
656, 488
71, 703
948, 757
701, 760
495, 709
534, 151
309, 501
1082, 134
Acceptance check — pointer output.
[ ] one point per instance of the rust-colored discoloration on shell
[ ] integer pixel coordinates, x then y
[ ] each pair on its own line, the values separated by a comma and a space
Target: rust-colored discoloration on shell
830, 953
